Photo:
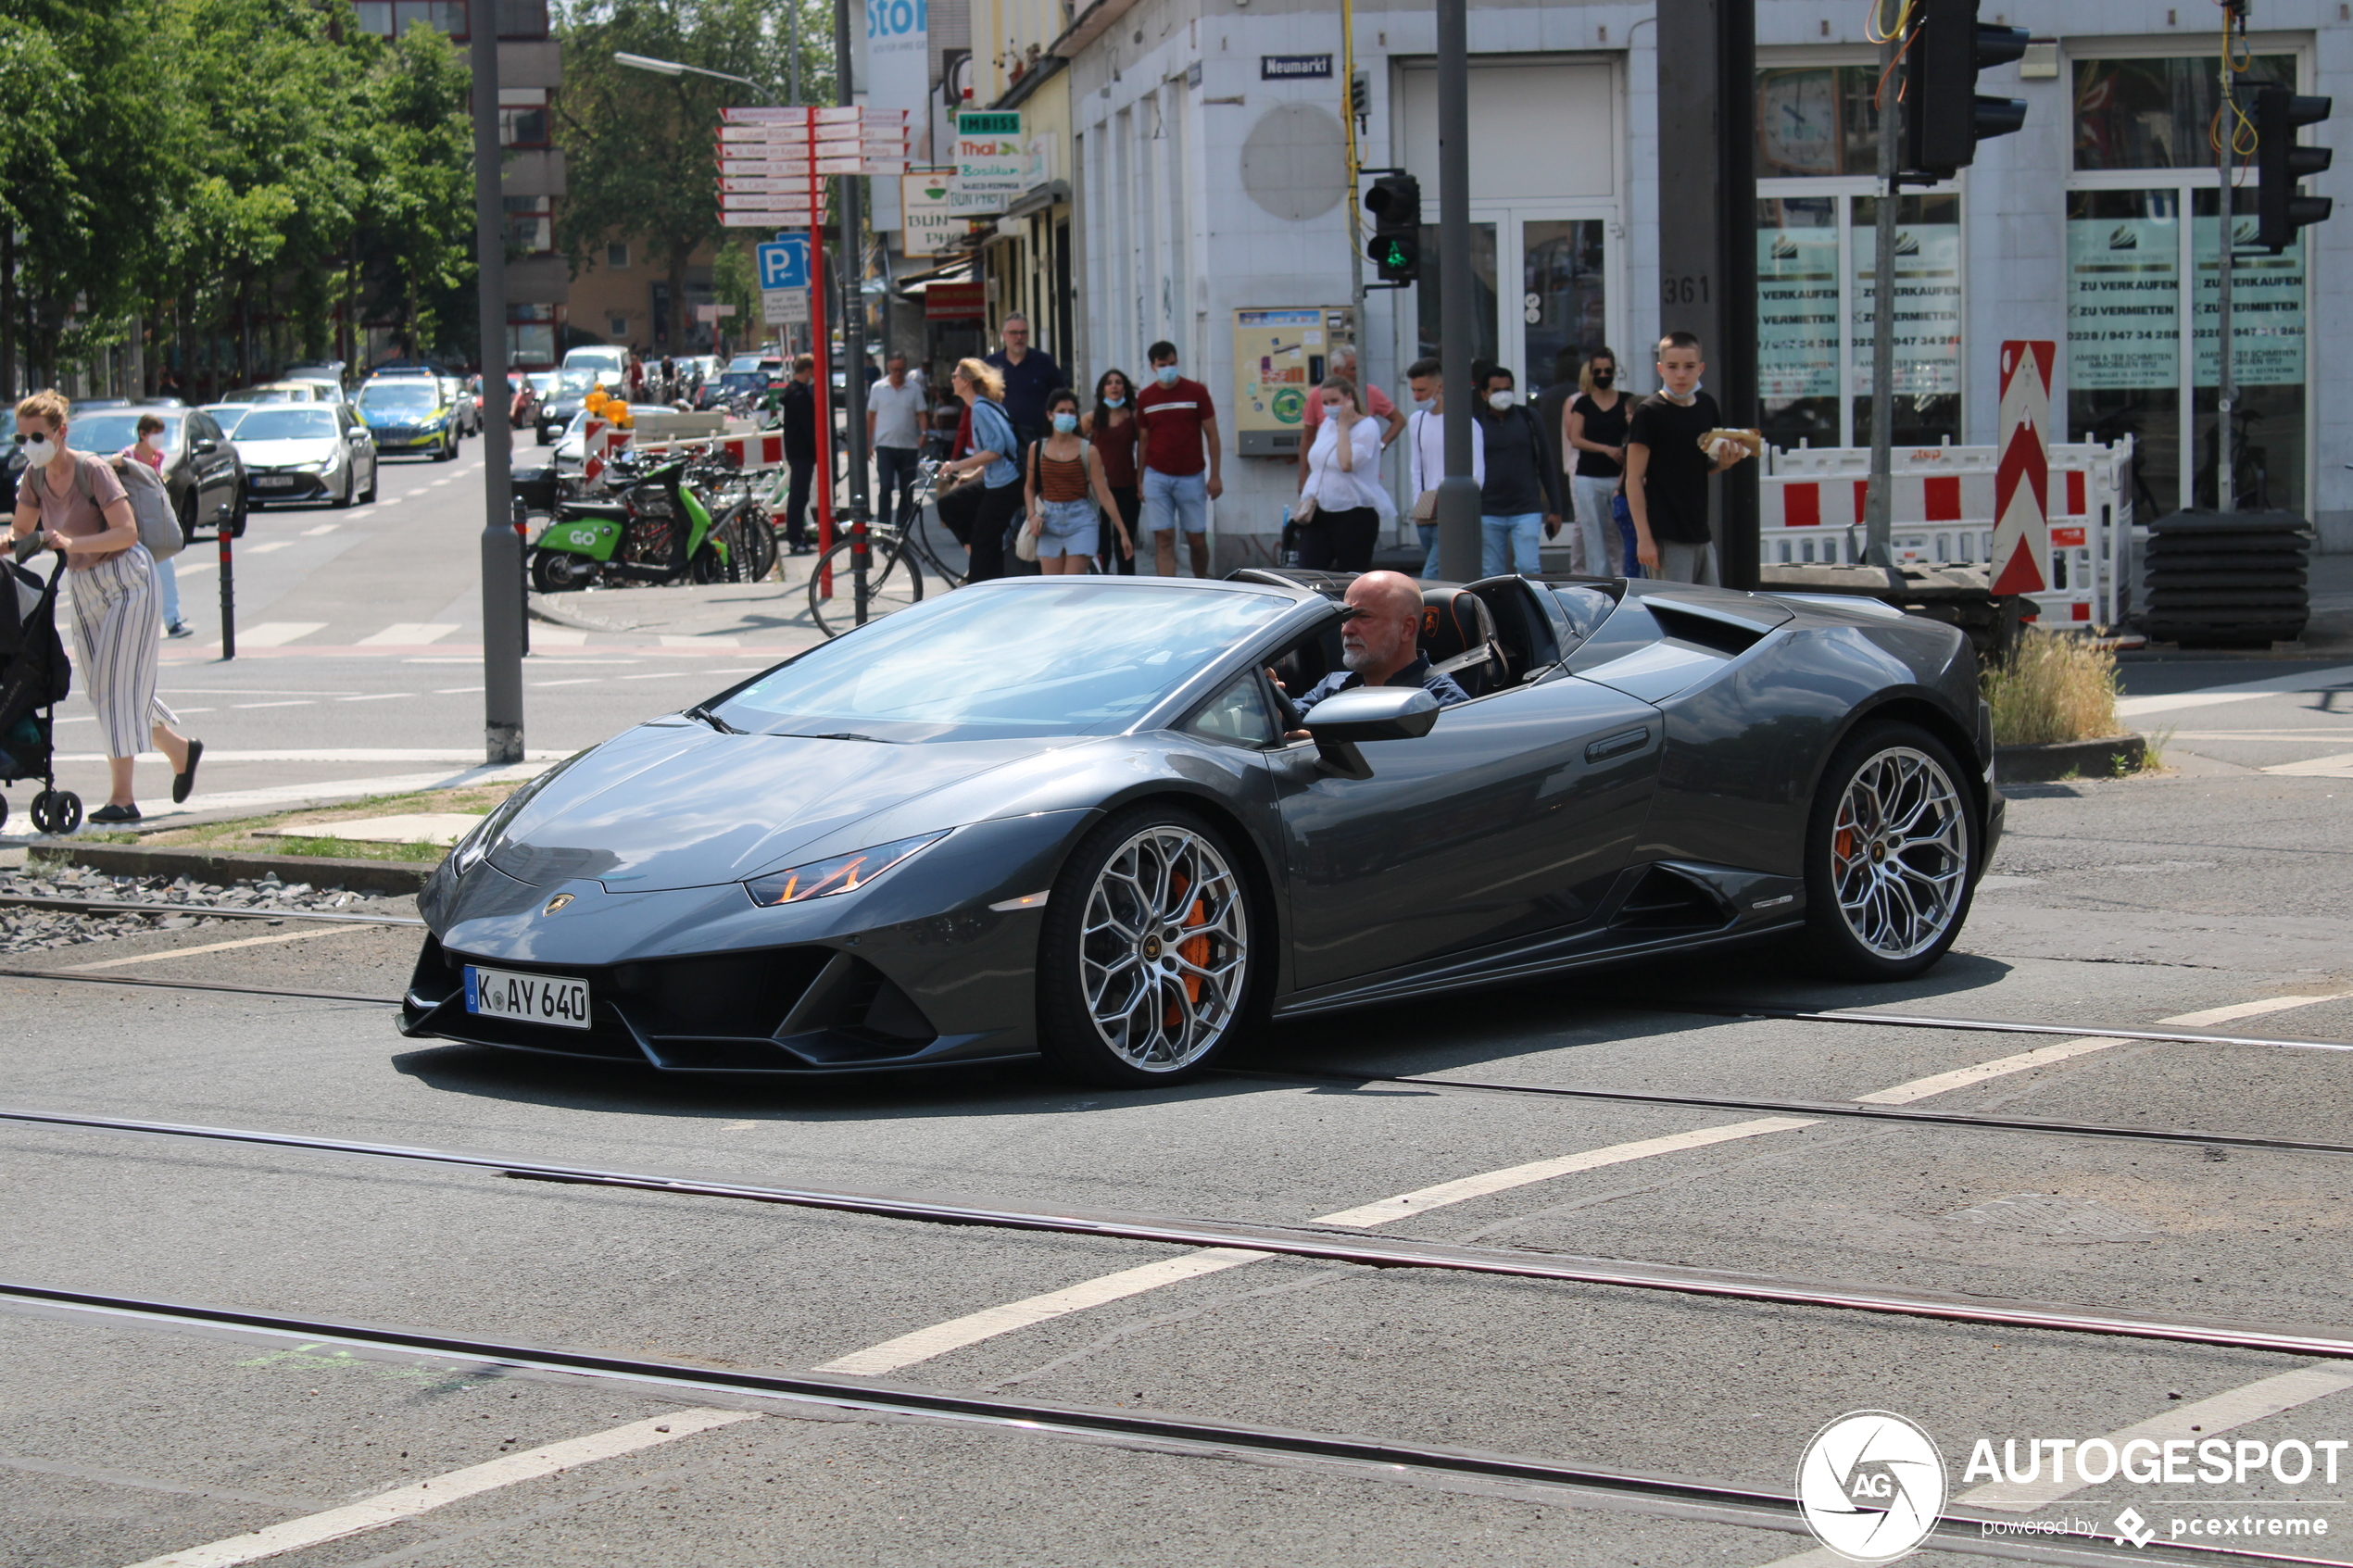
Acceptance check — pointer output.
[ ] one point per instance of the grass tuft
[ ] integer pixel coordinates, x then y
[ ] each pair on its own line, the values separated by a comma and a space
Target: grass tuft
2052, 689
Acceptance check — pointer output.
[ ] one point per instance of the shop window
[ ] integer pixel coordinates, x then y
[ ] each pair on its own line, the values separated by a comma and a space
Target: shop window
1797, 317
2156, 113
1926, 318
1816, 120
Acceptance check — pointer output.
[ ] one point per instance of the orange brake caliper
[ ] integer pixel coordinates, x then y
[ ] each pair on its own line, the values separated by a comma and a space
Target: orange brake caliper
1193, 950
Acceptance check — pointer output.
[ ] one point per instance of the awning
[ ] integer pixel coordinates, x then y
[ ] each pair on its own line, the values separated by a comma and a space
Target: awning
960, 271
1037, 199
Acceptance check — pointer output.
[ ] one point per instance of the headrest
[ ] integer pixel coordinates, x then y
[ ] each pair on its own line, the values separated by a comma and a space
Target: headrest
1454, 623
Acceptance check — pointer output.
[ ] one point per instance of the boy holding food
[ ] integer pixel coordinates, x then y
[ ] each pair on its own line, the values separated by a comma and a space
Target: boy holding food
1673, 443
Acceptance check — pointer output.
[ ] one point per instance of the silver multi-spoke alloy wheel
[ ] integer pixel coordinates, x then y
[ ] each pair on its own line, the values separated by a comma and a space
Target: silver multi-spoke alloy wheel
1900, 853
1164, 949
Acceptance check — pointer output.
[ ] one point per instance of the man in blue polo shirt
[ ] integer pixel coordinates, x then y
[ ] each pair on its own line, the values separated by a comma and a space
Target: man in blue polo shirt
1030, 374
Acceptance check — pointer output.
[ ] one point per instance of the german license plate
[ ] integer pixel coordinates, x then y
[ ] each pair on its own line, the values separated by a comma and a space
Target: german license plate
274, 481
531, 999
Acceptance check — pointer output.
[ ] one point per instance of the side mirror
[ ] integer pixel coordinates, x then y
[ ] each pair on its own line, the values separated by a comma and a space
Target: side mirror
1342, 721
206, 444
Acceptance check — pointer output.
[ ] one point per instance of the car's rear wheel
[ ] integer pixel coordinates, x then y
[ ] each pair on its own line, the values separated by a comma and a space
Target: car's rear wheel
1147, 962
1891, 855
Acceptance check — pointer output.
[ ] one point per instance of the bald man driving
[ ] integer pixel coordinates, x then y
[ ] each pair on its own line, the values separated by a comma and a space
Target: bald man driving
1379, 646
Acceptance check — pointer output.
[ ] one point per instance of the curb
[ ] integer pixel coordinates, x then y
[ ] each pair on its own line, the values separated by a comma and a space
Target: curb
543, 608
2084, 759
207, 865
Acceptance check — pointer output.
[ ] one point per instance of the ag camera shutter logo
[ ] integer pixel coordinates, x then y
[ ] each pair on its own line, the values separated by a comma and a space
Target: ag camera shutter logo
1870, 1486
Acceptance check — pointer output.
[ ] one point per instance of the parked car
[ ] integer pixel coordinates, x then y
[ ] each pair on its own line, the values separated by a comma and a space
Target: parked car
411, 414
201, 465
279, 391
306, 453
750, 373
465, 405
331, 372
561, 405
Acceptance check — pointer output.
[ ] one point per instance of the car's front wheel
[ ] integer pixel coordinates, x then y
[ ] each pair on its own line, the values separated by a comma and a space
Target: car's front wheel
1150, 951
1891, 855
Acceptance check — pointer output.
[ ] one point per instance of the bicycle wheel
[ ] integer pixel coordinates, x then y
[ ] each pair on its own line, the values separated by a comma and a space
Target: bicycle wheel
893, 583
751, 543
919, 533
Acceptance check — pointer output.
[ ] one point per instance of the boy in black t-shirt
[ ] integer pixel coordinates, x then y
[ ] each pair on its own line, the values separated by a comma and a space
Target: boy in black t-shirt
1666, 470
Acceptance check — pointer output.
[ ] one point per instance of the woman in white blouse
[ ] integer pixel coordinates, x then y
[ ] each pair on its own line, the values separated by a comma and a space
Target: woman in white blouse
1343, 484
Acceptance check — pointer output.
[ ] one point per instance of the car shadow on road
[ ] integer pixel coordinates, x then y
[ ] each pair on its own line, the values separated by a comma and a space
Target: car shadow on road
1421, 1036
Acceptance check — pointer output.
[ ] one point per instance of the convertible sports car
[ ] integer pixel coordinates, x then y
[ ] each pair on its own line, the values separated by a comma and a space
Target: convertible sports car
1057, 816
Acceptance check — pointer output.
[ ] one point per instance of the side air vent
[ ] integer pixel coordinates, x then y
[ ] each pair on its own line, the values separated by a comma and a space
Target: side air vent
1666, 900
1727, 636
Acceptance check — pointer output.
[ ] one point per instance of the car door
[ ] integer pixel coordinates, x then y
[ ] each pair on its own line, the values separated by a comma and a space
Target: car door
1511, 818
216, 469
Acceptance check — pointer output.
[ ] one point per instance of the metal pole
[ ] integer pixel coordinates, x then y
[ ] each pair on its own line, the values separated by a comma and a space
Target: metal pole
228, 592
502, 549
1733, 347
1458, 542
1879, 544
1354, 221
851, 269
2225, 386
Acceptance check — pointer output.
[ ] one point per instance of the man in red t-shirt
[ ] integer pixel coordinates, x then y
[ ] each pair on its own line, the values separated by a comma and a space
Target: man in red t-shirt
1181, 456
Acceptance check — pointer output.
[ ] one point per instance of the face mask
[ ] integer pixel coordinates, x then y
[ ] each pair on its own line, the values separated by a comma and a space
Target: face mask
1065, 423
1603, 377
1165, 375
1114, 402
38, 450
157, 441
1500, 399
1424, 404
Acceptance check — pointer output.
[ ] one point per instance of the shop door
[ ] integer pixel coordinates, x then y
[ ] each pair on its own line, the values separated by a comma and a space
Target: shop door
1558, 271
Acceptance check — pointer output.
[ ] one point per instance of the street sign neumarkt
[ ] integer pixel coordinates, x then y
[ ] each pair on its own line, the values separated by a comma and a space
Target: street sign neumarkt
783, 263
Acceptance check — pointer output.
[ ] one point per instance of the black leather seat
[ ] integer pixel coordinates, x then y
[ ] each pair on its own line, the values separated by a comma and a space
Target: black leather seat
1458, 636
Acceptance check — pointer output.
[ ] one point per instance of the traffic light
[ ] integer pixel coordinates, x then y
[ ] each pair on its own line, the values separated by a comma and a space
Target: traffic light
1945, 115
2279, 163
1395, 201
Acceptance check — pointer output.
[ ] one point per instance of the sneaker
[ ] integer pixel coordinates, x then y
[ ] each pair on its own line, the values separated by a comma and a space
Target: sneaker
180, 629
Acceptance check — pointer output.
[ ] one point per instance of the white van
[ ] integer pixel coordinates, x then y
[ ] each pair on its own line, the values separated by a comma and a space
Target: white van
609, 363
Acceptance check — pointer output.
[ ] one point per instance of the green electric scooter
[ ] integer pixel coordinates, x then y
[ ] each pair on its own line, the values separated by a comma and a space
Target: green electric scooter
634, 536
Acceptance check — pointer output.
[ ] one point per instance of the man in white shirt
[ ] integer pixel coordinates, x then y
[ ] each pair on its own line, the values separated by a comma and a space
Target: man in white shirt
1425, 454
895, 434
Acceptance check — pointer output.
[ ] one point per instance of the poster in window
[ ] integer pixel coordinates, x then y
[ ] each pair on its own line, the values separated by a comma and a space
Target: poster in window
1796, 311
2267, 310
1927, 302
2124, 303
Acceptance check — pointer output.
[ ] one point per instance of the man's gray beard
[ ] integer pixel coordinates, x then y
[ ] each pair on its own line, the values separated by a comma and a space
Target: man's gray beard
1355, 659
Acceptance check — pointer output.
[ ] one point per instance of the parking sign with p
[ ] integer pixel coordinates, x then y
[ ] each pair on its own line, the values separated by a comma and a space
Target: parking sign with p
784, 264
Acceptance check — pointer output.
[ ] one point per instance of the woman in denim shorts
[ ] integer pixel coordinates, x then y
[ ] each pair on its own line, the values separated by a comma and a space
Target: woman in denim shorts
1064, 473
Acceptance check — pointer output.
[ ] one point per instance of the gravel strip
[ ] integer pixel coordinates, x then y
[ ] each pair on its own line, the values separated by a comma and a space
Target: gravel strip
26, 931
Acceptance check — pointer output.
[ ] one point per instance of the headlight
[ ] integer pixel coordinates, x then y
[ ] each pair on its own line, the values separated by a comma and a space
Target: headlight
843, 873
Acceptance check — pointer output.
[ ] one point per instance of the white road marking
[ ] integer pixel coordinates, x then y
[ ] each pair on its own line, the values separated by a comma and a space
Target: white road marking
595, 680
462, 691
304, 701
2059, 1050
331, 527
407, 633
937, 1340
276, 634
2243, 690
407, 1502
265, 549
186, 567
215, 948
2337, 767
677, 674
564, 636
380, 696
701, 642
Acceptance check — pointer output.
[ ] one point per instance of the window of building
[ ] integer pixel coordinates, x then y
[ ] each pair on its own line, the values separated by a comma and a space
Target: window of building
531, 225
617, 256
390, 18
2142, 362
530, 336
523, 116
618, 326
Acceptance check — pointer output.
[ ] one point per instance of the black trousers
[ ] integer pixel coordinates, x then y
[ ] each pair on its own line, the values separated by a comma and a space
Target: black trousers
804, 470
999, 511
894, 482
1131, 508
1340, 541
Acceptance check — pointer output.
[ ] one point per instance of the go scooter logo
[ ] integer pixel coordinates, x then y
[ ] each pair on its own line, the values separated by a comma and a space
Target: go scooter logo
1870, 1486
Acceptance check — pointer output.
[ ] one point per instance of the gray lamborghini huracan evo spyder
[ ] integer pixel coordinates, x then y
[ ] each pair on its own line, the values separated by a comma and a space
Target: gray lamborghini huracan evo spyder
1058, 815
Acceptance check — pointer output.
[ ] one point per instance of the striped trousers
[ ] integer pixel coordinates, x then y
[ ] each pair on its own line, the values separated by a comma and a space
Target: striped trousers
116, 640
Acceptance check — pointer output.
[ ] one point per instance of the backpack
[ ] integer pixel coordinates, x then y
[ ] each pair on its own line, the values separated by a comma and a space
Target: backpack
150, 504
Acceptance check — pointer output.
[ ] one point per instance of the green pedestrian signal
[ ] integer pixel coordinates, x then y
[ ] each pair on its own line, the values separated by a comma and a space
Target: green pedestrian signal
1395, 201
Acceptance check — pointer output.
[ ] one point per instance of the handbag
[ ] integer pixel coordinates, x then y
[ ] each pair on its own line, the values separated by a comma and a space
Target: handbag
1024, 537
1426, 506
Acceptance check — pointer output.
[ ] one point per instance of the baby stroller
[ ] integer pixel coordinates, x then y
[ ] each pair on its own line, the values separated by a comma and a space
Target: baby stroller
35, 675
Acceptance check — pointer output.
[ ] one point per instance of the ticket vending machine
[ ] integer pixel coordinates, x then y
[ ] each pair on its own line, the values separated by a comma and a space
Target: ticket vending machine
1280, 360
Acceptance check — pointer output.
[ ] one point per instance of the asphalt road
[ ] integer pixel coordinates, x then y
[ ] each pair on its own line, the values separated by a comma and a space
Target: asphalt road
2211, 898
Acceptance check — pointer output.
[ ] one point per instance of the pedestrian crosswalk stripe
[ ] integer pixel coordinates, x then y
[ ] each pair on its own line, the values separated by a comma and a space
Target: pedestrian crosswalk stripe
276, 634
407, 633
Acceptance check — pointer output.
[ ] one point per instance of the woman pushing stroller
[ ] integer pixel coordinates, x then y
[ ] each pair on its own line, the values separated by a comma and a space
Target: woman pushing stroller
81, 508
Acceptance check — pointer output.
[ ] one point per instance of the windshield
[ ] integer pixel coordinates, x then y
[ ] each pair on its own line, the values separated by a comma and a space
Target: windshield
1088, 658
226, 415
745, 362
268, 395
287, 424
574, 383
399, 395
113, 432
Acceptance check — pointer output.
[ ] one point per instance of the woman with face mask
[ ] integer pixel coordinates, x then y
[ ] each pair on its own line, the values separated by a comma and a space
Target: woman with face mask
1064, 474
1594, 426
154, 443
78, 505
1519, 504
1343, 496
1118, 437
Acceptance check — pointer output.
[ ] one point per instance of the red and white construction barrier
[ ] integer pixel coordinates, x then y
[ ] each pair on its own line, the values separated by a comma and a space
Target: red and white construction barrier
756, 450
1943, 509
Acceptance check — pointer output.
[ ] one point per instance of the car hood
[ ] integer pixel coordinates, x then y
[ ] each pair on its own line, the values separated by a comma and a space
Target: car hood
409, 416
679, 805
281, 454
